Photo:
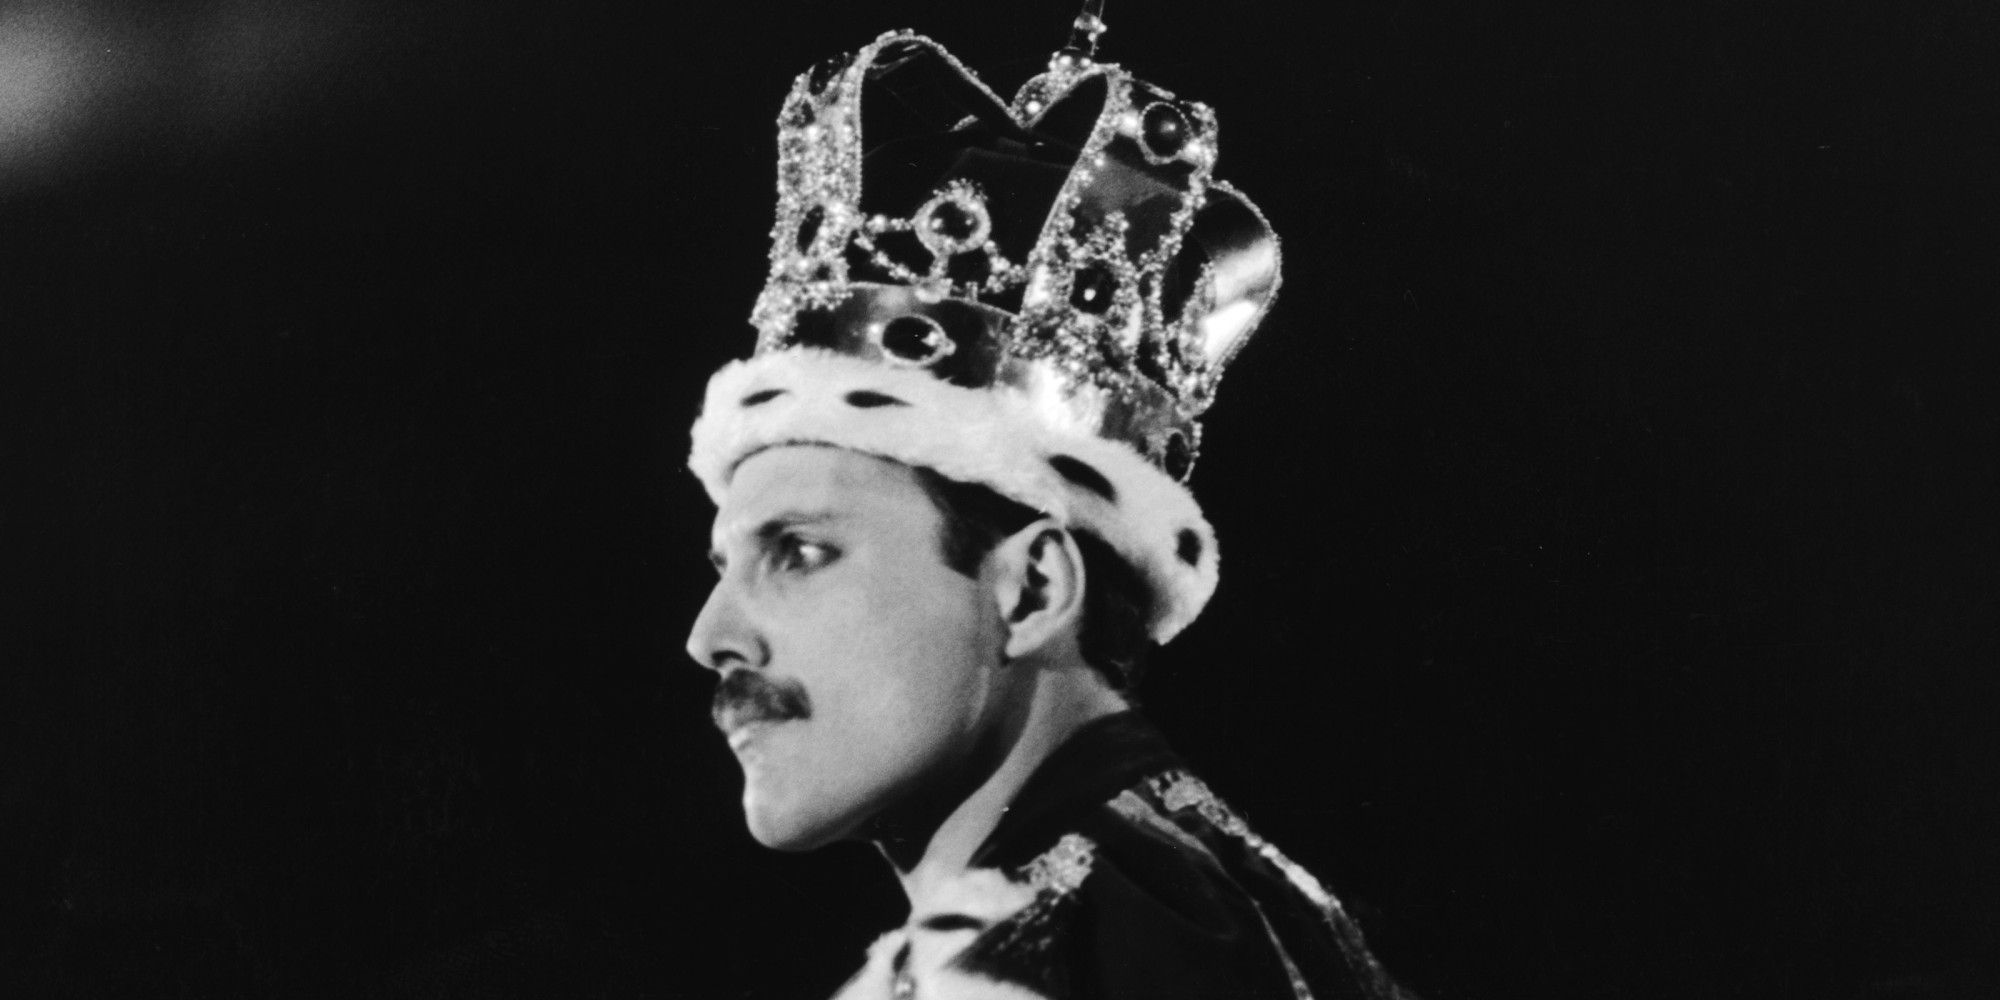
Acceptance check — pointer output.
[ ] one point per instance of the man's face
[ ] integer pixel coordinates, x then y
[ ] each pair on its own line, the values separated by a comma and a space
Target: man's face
859, 671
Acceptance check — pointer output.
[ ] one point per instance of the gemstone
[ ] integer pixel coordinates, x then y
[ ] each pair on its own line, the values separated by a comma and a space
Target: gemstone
809, 227
1093, 289
1166, 130
824, 71
914, 338
1178, 460
1147, 360
952, 221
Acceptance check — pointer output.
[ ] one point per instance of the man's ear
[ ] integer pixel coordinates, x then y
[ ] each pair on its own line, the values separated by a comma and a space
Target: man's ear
1039, 586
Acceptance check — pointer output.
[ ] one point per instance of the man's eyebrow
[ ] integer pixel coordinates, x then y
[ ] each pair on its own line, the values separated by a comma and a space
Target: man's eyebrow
774, 526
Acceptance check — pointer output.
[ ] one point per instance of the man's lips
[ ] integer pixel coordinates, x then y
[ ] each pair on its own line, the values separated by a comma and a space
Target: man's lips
741, 736
735, 724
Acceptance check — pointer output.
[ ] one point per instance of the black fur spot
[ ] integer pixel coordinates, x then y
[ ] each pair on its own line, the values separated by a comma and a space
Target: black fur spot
761, 396
1190, 547
953, 922
868, 399
1081, 473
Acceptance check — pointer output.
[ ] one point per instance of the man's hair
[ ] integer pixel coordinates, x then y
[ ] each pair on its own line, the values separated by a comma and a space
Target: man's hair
1113, 637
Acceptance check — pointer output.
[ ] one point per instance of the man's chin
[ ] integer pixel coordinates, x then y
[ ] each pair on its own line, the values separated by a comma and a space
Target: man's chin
786, 830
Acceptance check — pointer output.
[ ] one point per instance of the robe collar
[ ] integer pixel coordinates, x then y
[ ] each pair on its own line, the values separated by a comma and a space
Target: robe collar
1097, 762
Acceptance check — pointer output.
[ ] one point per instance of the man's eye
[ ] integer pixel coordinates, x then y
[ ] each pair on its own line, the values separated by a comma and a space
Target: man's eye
797, 554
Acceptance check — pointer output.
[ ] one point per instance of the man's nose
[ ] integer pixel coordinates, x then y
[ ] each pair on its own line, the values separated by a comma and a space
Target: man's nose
723, 636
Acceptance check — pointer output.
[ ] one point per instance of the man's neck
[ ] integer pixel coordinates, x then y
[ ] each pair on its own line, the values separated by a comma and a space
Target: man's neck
1063, 702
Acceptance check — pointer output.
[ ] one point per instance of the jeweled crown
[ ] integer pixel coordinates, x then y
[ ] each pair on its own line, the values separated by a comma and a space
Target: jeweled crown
1072, 243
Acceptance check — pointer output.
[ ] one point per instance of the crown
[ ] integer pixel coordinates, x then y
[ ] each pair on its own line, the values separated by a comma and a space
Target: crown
1050, 287
922, 218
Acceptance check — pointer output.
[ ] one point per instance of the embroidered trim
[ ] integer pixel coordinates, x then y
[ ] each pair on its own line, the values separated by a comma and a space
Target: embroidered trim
1139, 809
1062, 868
1179, 790
1019, 950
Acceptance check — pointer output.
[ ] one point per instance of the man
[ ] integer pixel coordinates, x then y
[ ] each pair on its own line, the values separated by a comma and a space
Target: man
951, 517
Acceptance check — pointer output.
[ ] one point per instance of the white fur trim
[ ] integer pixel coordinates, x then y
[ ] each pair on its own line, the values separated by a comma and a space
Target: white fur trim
984, 894
1001, 438
927, 963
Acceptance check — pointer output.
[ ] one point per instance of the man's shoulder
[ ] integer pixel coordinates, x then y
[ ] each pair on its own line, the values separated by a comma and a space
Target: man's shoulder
1160, 892
1192, 902
1164, 913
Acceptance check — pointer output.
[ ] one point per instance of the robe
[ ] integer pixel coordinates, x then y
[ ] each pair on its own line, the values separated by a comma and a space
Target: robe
1116, 873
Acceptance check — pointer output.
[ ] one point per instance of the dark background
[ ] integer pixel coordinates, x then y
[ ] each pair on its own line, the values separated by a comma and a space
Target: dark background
1609, 605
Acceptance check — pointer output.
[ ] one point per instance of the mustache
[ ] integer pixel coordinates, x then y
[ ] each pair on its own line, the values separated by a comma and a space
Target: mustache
746, 696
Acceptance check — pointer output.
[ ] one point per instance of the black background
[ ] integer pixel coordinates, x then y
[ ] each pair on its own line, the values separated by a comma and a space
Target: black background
1608, 607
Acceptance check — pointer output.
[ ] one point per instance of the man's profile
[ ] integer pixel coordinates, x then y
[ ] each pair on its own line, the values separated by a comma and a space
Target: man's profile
951, 519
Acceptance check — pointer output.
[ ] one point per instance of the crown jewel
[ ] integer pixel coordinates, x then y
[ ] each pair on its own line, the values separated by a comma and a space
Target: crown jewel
1071, 243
